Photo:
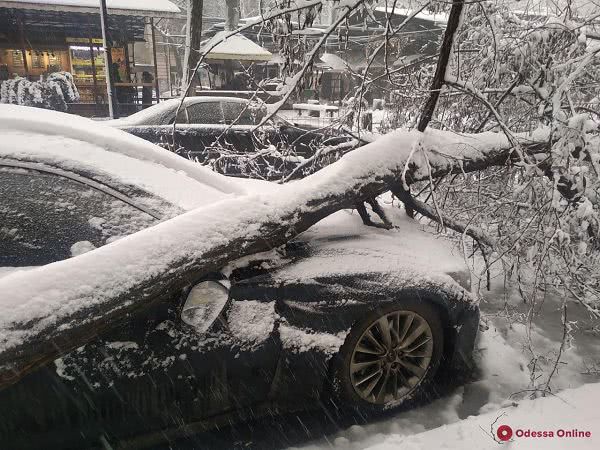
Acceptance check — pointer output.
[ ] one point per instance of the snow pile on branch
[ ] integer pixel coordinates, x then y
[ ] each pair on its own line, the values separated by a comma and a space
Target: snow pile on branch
54, 92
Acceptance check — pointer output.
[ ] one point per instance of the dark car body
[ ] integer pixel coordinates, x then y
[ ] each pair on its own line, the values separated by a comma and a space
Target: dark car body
217, 125
151, 377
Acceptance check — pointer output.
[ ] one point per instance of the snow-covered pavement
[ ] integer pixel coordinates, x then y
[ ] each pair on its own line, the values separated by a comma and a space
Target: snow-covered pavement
569, 420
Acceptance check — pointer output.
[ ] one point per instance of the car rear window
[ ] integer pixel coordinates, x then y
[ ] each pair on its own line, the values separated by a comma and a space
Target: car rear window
242, 113
201, 113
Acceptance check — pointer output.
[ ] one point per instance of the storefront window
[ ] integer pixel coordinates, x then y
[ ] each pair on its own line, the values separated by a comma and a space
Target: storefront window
81, 59
54, 59
83, 71
37, 60
17, 59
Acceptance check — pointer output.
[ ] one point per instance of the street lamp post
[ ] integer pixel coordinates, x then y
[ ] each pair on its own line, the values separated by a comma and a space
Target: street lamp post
112, 109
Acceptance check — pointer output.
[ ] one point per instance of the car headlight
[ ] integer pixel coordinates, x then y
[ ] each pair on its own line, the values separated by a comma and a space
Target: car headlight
204, 304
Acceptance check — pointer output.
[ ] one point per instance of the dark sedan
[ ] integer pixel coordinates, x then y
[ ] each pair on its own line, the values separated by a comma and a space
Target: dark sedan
224, 129
364, 317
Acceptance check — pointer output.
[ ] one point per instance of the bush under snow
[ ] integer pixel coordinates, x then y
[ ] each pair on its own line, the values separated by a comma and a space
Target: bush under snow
53, 92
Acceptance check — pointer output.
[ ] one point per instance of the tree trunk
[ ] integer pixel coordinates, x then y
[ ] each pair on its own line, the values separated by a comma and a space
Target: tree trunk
192, 45
49, 311
233, 15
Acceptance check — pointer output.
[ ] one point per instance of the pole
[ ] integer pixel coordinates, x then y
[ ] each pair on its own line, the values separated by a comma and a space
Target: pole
94, 78
155, 62
110, 90
169, 67
23, 49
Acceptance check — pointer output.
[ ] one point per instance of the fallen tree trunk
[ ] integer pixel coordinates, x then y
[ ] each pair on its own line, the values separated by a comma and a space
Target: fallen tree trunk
48, 311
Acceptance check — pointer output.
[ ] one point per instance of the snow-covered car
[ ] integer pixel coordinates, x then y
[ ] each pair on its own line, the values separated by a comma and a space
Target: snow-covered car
364, 317
205, 124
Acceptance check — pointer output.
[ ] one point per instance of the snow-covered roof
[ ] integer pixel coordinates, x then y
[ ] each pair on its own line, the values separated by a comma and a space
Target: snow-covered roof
237, 47
154, 8
334, 61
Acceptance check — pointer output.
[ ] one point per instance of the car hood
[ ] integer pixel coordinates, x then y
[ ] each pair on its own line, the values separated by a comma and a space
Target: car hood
341, 245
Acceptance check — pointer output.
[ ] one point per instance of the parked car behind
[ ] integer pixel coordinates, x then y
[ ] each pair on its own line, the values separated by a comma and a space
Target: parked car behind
208, 127
362, 317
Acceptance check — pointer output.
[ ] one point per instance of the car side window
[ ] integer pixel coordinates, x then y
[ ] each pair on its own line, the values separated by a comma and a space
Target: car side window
240, 114
182, 116
45, 217
203, 113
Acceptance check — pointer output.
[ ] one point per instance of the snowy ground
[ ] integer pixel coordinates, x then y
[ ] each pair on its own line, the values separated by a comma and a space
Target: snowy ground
569, 420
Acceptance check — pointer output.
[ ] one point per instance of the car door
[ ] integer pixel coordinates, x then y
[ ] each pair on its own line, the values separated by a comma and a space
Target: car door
46, 215
156, 374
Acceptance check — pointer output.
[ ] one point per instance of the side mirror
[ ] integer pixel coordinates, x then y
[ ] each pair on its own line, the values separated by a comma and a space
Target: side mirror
204, 304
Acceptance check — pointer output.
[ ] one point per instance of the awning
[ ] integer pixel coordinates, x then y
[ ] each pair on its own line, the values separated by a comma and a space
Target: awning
334, 62
146, 8
237, 47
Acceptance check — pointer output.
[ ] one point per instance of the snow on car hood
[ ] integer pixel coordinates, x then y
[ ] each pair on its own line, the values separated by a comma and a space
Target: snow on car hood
342, 245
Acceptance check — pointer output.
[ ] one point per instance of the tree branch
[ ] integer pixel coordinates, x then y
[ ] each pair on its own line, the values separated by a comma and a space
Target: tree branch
429, 212
442, 65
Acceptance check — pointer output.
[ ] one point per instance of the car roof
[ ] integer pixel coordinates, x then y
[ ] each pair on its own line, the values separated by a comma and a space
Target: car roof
73, 142
172, 104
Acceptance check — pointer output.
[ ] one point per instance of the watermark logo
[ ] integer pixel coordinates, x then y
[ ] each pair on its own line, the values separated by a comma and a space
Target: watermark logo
504, 432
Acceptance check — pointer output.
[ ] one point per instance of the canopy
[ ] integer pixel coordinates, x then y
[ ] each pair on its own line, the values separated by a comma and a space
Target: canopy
334, 62
150, 8
237, 47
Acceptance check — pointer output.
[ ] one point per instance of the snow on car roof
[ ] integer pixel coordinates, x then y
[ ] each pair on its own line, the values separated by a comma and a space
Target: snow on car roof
22, 119
164, 107
73, 154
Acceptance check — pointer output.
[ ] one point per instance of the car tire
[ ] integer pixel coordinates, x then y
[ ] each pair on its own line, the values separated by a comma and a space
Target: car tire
407, 367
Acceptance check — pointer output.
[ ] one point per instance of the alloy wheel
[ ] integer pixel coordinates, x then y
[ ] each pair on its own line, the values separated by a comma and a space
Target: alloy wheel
391, 357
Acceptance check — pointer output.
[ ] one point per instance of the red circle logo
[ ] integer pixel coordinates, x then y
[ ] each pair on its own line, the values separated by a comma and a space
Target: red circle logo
504, 432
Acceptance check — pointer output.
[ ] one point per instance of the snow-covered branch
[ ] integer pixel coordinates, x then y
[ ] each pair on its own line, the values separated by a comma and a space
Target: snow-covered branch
39, 322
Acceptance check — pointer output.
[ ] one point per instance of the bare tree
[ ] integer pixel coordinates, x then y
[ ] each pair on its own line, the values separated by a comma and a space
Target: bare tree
192, 44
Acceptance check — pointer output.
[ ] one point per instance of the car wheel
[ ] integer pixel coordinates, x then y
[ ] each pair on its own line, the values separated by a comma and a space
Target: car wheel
389, 357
